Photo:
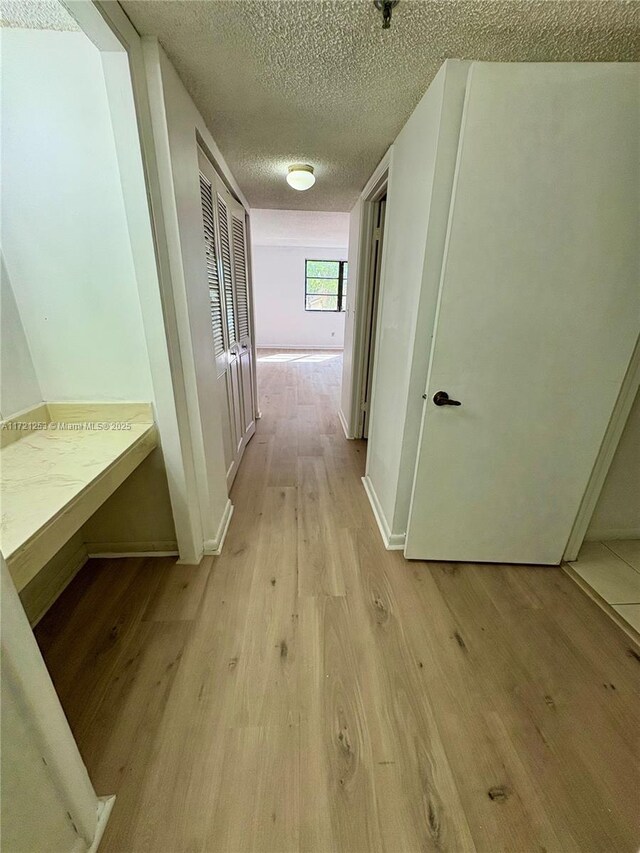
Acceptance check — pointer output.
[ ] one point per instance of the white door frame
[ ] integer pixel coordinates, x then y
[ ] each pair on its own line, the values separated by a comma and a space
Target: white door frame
376, 187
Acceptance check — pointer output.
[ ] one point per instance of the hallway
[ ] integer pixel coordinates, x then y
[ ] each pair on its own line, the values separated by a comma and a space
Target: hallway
309, 690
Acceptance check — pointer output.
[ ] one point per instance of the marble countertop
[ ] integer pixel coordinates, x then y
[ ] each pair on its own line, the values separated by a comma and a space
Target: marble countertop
54, 478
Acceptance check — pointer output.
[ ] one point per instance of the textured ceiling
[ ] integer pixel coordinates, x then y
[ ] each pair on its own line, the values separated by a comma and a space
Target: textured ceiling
322, 83
36, 15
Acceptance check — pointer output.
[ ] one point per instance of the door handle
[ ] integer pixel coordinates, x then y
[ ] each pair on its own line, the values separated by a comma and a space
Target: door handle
441, 398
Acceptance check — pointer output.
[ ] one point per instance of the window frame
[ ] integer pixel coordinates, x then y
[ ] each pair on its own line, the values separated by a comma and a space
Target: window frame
342, 280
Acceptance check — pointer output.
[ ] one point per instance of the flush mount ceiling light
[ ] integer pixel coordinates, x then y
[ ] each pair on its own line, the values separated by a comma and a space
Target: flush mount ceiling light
301, 176
386, 7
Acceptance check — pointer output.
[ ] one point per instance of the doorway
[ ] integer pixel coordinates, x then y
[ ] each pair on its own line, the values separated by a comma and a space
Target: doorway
367, 301
373, 294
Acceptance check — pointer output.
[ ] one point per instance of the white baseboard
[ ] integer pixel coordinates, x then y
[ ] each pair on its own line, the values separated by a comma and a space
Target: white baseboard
214, 546
344, 424
105, 804
392, 541
166, 548
396, 541
605, 535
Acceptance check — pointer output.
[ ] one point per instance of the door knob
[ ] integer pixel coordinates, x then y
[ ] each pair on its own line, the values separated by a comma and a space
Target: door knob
441, 398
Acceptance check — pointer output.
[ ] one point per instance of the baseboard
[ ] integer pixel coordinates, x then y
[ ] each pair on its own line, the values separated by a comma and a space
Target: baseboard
344, 424
392, 541
607, 535
105, 805
396, 541
214, 546
113, 550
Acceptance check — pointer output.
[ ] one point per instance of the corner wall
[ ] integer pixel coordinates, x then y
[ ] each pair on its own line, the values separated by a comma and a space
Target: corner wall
65, 238
416, 219
617, 513
347, 390
19, 386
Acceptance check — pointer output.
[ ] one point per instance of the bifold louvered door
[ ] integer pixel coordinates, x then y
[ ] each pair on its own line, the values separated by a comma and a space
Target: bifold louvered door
230, 308
243, 315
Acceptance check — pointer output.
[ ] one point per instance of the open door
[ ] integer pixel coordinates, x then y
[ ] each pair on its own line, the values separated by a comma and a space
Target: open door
538, 311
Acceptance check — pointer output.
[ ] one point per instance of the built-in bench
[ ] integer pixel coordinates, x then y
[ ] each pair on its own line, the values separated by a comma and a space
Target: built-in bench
58, 463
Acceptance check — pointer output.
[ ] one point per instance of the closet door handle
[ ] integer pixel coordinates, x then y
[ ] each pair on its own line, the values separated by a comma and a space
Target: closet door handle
441, 398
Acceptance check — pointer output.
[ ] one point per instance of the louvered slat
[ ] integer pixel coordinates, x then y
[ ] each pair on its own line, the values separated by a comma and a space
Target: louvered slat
206, 197
227, 281
240, 269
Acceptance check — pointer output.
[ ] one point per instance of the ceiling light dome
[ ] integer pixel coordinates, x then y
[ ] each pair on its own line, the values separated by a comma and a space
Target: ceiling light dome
301, 176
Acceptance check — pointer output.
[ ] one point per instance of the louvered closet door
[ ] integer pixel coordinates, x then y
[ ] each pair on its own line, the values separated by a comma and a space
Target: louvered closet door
213, 278
243, 316
213, 269
230, 311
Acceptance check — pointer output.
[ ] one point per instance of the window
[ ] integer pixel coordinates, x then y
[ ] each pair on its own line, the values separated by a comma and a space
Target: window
325, 285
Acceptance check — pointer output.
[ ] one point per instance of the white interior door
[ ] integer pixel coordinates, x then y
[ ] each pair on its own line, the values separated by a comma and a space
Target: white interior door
230, 314
538, 312
230, 304
223, 389
243, 319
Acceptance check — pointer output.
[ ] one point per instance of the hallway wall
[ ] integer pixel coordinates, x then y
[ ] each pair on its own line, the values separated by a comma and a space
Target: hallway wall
418, 195
178, 129
282, 240
65, 237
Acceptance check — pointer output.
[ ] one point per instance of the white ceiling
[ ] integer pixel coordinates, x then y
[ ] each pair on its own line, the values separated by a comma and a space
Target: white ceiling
319, 81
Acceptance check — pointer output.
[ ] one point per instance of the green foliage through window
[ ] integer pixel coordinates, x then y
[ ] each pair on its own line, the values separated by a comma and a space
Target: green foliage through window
325, 286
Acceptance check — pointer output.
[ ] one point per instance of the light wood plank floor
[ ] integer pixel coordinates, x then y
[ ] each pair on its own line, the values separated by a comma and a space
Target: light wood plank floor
310, 691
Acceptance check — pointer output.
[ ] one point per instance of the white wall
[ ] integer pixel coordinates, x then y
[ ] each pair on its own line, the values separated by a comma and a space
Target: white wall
617, 513
348, 379
319, 228
64, 230
278, 287
416, 217
19, 386
281, 242
177, 127
70, 266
